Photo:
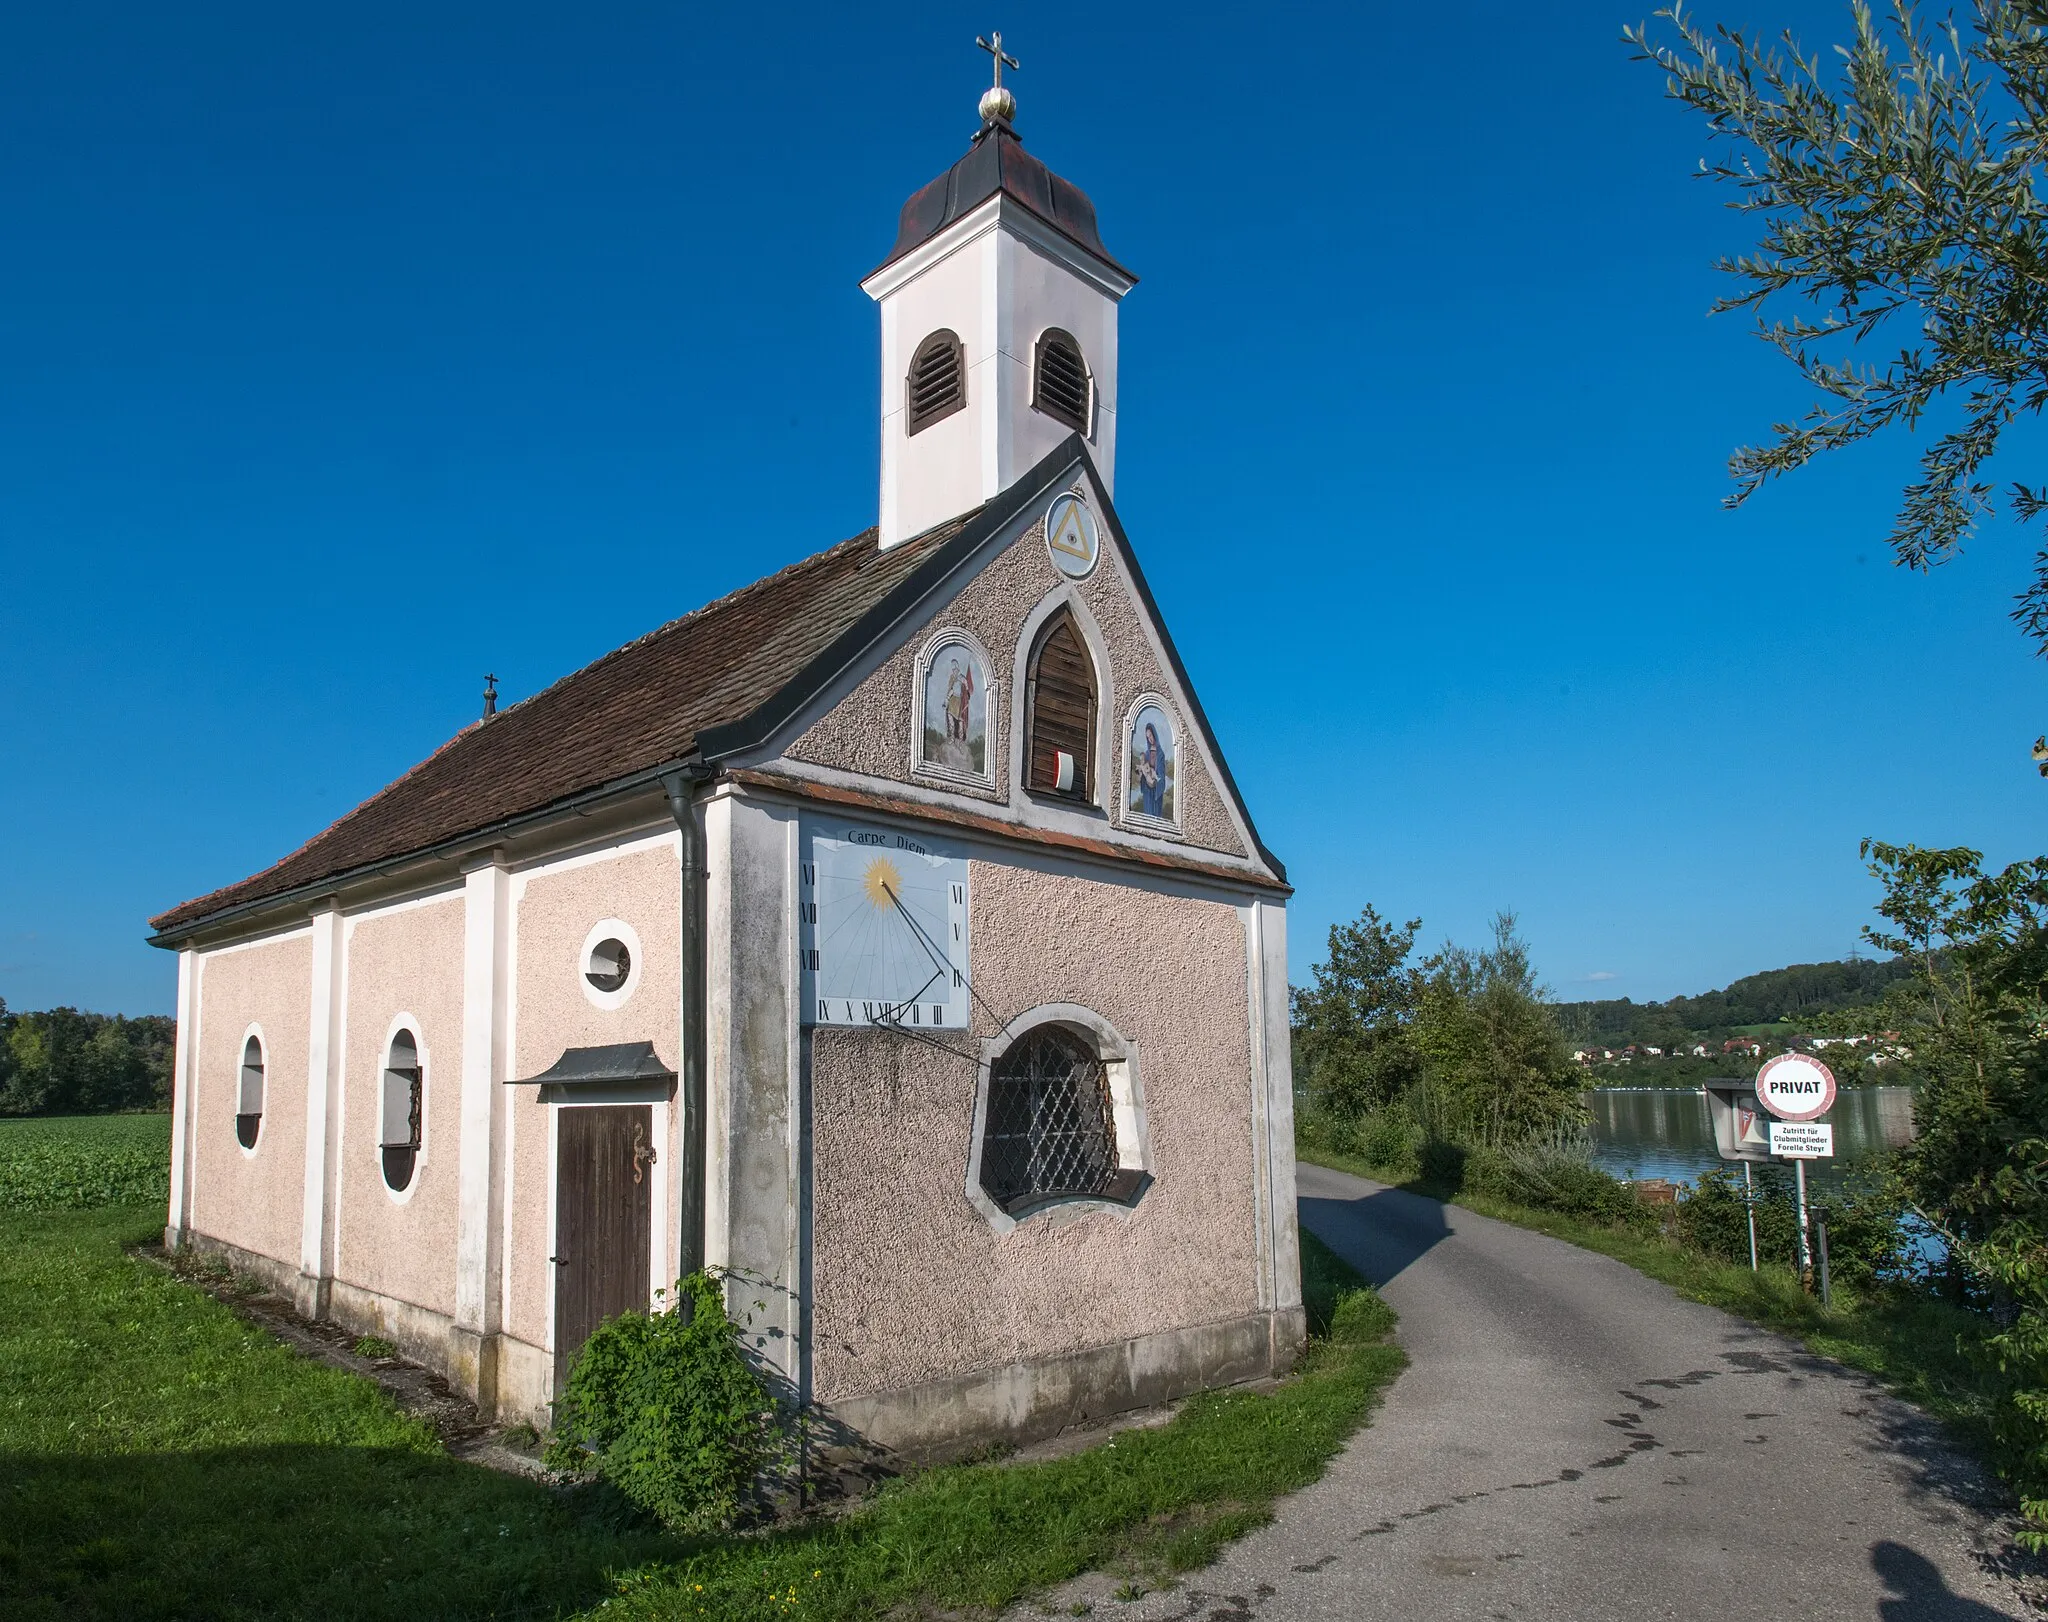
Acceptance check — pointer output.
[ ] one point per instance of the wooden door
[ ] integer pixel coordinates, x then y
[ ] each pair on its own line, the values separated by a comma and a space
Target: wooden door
604, 1220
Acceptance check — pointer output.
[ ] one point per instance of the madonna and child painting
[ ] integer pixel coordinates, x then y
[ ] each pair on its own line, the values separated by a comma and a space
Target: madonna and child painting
1150, 779
956, 711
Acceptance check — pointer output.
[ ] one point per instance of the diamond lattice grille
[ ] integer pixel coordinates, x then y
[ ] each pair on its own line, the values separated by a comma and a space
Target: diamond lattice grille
1051, 1131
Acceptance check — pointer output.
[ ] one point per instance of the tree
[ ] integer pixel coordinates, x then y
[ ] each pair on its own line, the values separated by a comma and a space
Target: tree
1491, 1040
1900, 205
1973, 1019
1977, 1020
1351, 1027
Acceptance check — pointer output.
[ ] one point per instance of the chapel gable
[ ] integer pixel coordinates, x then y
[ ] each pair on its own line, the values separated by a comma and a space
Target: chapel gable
1038, 684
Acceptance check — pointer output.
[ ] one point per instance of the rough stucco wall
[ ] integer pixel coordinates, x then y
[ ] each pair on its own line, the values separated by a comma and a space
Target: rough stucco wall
910, 1281
642, 887
406, 961
253, 1200
869, 730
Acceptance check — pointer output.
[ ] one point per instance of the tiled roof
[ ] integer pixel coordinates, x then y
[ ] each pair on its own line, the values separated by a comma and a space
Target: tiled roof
634, 710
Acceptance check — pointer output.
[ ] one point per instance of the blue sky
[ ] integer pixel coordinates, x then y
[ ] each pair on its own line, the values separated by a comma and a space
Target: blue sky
346, 357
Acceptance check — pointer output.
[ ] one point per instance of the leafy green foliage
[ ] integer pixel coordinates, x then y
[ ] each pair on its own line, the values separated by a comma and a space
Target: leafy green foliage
1464, 1044
79, 1164
1351, 1028
1490, 1041
1868, 1242
63, 1062
1899, 201
1976, 1016
665, 1406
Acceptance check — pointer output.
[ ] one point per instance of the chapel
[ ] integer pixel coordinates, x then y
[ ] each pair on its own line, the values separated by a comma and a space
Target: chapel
889, 934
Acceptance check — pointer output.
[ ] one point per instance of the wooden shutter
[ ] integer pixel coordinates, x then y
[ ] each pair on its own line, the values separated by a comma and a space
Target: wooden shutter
1062, 708
937, 384
1059, 385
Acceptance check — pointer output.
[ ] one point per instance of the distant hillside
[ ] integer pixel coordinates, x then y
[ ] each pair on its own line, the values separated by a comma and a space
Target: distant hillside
1790, 994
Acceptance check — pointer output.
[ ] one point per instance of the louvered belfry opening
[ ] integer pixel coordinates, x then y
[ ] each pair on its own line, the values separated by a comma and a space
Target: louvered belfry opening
1059, 382
1062, 698
1050, 1132
937, 385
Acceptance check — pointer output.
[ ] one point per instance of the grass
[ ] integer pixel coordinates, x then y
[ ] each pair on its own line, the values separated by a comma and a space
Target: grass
1920, 1348
77, 1162
159, 1458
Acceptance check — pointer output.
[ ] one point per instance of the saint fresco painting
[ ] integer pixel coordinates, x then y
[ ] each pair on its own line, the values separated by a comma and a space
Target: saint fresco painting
956, 711
1150, 780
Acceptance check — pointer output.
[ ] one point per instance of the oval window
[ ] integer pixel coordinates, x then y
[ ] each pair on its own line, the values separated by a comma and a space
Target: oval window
404, 1096
609, 965
249, 1100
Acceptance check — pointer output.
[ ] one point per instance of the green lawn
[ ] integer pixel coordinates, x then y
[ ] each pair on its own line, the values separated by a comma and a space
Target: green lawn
1920, 1348
159, 1459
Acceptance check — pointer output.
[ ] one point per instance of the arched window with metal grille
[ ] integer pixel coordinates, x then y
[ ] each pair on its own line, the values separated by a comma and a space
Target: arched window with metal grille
403, 1104
249, 1096
1050, 1128
1060, 386
1060, 693
937, 384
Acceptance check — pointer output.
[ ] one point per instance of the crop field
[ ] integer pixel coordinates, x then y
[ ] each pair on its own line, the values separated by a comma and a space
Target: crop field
81, 1163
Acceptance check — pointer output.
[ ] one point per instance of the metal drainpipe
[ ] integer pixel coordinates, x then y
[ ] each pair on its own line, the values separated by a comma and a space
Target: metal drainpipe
681, 788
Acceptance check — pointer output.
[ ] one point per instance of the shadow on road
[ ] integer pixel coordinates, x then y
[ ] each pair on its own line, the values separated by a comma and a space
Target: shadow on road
1379, 1233
1917, 1593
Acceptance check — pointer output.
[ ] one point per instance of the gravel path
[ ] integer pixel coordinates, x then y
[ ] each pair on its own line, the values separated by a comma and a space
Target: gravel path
1572, 1440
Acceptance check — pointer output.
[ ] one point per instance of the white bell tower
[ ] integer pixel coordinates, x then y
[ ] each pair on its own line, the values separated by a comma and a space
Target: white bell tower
998, 329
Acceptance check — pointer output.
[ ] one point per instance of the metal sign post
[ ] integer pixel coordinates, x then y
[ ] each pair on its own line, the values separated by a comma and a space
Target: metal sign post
1749, 1205
1798, 1090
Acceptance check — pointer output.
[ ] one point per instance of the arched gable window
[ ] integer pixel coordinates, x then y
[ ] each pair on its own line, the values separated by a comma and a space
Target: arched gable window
937, 384
404, 1093
249, 1097
1059, 380
1061, 695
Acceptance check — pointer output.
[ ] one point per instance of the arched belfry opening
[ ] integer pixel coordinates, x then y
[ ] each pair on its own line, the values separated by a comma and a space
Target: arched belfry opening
1060, 385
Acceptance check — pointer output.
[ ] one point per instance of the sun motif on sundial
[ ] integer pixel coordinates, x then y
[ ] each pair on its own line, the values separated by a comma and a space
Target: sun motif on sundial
882, 883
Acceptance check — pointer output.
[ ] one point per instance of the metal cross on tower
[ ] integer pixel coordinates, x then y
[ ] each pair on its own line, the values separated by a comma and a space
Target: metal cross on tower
994, 46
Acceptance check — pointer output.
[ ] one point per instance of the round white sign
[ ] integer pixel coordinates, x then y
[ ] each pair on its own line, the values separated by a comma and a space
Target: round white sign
1796, 1087
1070, 536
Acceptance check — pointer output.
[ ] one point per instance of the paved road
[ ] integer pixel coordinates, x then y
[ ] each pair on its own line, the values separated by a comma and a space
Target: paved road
1571, 1440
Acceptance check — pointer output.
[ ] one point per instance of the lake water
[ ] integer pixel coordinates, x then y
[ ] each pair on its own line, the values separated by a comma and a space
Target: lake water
1664, 1131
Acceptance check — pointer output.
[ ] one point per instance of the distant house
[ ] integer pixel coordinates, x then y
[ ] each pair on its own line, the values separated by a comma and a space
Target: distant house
1698, 1050
1655, 1053
1743, 1044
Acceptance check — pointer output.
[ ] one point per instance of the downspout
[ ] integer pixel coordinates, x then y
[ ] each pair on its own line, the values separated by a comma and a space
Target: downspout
681, 788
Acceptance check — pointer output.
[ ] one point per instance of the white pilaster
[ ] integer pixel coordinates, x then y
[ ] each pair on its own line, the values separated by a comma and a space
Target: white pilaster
1274, 1038
486, 911
754, 1129
179, 1217
323, 1086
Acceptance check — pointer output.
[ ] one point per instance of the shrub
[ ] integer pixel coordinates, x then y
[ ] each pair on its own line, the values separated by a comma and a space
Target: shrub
665, 1407
1867, 1240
